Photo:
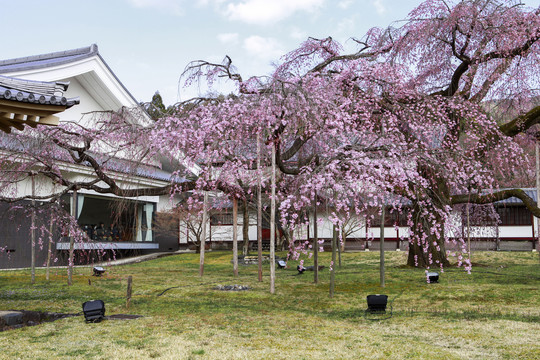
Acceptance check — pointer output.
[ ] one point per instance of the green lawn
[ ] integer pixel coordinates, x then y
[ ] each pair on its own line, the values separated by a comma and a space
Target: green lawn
493, 313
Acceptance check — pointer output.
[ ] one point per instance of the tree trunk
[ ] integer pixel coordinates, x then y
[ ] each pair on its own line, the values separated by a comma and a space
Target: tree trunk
417, 256
245, 229
284, 238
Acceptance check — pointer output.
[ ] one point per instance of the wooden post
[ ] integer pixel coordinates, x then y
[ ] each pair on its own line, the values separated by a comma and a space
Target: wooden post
203, 234
259, 207
537, 194
72, 239
315, 243
245, 228
469, 231
235, 236
128, 293
381, 243
333, 270
339, 245
33, 229
49, 249
273, 224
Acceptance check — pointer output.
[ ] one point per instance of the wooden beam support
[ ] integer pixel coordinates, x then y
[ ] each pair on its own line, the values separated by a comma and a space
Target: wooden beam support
49, 120
29, 107
17, 115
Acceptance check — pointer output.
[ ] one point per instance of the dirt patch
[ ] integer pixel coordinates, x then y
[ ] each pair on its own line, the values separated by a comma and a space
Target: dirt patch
32, 318
234, 287
122, 317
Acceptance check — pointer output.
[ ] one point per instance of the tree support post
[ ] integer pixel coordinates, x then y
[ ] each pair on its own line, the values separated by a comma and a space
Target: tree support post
381, 243
72, 239
235, 236
537, 148
49, 249
128, 292
203, 235
273, 224
33, 229
333, 269
259, 209
315, 243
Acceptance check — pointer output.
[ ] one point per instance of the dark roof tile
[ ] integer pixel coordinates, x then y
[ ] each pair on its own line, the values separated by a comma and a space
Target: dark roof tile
36, 92
47, 60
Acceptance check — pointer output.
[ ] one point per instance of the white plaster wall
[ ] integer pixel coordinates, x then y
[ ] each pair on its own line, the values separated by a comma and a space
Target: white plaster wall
224, 232
165, 202
515, 231
183, 235
88, 103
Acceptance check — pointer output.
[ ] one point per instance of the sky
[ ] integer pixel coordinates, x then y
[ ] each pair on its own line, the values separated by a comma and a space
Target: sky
148, 43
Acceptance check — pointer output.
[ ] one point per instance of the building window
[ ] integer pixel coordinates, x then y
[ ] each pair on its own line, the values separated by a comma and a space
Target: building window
391, 218
514, 215
224, 218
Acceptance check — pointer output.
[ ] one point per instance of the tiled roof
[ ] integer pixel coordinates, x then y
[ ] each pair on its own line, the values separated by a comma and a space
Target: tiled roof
55, 59
36, 92
47, 60
22, 143
531, 192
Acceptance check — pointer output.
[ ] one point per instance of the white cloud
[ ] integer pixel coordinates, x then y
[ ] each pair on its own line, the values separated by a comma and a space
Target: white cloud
379, 6
228, 38
173, 6
298, 34
346, 26
265, 12
264, 48
345, 4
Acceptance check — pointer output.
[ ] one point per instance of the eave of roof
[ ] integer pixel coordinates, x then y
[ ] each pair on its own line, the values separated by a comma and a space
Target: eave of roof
55, 59
36, 92
47, 60
22, 143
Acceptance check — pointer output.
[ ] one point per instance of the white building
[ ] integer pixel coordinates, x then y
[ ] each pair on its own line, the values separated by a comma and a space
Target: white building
517, 230
94, 83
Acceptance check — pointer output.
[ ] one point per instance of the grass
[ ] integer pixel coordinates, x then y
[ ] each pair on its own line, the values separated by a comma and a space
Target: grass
493, 313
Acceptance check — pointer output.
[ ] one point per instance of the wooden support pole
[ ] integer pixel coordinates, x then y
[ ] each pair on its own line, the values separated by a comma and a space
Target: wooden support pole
203, 235
128, 293
49, 249
235, 236
72, 239
259, 208
382, 246
273, 224
333, 269
315, 243
537, 148
33, 230
469, 231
